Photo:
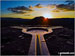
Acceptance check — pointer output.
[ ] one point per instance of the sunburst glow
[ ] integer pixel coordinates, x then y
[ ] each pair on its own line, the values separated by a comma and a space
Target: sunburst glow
47, 15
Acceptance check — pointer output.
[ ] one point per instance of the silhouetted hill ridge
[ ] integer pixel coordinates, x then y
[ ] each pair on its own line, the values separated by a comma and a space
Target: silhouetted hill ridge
66, 22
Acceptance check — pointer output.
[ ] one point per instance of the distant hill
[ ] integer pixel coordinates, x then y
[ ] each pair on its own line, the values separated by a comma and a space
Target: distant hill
66, 22
13, 21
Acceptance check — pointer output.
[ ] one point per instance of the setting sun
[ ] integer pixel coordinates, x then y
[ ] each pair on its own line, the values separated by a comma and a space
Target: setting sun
47, 15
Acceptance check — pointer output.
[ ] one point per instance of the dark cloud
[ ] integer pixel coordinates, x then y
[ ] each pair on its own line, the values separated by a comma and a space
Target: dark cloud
70, 2
67, 7
19, 9
30, 6
38, 6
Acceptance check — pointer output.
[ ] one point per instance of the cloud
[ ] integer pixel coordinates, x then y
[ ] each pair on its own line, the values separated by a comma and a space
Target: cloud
20, 9
66, 7
52, 8
38, 6
55, 10
30, 7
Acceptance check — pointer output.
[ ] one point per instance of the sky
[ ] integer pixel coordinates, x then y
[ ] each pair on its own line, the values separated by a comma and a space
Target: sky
31, 9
